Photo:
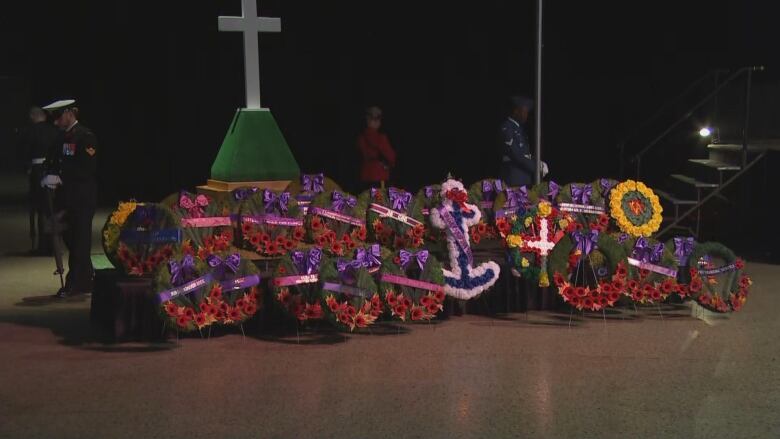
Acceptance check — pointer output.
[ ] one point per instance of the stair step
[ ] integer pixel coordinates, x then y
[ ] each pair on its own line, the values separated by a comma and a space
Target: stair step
694, 182
672, 199
737, 147
714, 164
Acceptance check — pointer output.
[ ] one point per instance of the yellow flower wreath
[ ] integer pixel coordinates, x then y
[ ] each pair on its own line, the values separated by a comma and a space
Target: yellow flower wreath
616, 208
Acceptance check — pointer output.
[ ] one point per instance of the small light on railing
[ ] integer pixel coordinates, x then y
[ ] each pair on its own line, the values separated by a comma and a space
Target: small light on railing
705, 132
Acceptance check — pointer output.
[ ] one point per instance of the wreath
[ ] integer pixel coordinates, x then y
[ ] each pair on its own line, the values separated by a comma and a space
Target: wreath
194, 293
531, 237
336, 222
635, 208
513, 201
587, 268
412, 284
138, 237
395, 218
717, 281
348, 288
585, 205
544, 190
271, 223
296, 284
652, 270
206, 225
309, 186
431, 197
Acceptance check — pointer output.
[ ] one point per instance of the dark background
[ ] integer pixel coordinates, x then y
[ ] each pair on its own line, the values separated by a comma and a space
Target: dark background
159, 84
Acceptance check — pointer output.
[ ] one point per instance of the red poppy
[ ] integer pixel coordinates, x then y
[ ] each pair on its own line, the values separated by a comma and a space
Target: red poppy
333, 306
289, 244
170, 308
439, 296
481, 228
351, 311
618, 285
567, 292
643, 273
621, 270
200, 319
636, 296
337, 249
603, 220
417, 313
587, 303
655, 294
213, 310
740, 264
255, 239
606, 288
633, 284
345, 319
668, 286
613, 297
216, 292
204, 307
558, 279
744, 282
433, 308
580, 292
272, 248
695, 285
182, 321
682, 290
281, 270
298, 234
693, 272
426, 300
705, 299
418, 231
400, 310
246, 228
234, 314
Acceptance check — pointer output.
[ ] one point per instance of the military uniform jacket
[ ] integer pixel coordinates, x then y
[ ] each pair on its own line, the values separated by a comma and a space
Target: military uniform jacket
75, 160
519, 166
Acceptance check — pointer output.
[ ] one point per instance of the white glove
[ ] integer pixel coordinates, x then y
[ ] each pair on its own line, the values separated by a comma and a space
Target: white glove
545, 169
51, 181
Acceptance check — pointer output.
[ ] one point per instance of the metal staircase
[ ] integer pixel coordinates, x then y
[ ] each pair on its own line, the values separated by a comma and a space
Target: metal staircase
685, 192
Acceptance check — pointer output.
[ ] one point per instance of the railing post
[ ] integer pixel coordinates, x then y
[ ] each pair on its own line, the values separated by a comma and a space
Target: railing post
747, 117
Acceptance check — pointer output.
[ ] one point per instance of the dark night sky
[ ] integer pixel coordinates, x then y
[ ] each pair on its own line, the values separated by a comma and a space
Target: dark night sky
159, 84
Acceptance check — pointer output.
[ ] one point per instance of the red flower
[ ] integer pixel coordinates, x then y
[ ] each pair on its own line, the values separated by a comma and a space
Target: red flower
603, 220
417, 313
337, 248
204, 307
426, 300
299, 233
439, 296
200, 319
694, 272
695, 285
587, 303
390, 298
351, 311
433, 308
272, 248
216, 292
633, 284
481, 228
636, 296
668, 286
360, 321
418, 231
682, 290
246, 228
281, 270
621, 270
580, 292
255, 239
568, 292
558, 279
170, 308
655, 294
190, 313
344, 319
400, 310
397, 260
705, 299
744, 282
313, 310
643, 273
475, 237
618, 285
613, 297
740, 264
182, 321
333, 306
234, 314
361, 233
289, 245
606, 288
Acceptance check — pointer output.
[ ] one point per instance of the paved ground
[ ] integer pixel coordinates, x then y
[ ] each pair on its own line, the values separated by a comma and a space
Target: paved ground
633, 376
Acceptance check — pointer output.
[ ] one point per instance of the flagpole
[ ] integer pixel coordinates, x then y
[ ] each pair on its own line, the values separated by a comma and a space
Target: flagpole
538, 100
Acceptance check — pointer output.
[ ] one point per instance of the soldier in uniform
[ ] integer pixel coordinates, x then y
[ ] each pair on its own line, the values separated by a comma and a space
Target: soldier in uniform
71, 169
36, 141
518, 167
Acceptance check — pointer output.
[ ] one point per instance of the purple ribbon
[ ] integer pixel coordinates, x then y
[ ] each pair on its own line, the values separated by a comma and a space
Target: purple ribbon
457, 233
184, 289
231, 262
313, 182
516, 197
623, 237
307, 262
429, 191
243, 193
276, 202
340, 201
606, 187
552, 190
370, 257
683, 247
406, 257
490, 188
183, 271
644, 252
580, 194
399, 198
585, 242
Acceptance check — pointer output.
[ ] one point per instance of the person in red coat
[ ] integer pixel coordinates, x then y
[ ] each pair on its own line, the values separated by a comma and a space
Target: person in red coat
377, 155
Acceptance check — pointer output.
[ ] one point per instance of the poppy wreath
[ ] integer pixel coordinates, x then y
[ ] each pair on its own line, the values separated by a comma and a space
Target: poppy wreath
652, 271
588, 268
336, 222
395, 218
296, 284
431, 197
532, 236
271, 223
635, 208
138, 237
309, 186
412, 285
545, 190
194, 294
350, 293
717, 281
206, 225
585, 204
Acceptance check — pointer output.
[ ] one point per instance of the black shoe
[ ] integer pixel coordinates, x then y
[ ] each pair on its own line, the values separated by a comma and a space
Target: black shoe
63, 293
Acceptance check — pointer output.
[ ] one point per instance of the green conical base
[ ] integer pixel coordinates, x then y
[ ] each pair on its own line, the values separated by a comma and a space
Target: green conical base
254, 150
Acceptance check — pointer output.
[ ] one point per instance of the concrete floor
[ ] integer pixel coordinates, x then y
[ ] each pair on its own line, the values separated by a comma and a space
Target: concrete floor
633, 376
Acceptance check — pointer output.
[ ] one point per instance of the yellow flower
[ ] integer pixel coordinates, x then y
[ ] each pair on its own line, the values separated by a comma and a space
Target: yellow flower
616, 209
122, 212
545, 208
524, 263
544, 279
564, 223
514, 241
528, 221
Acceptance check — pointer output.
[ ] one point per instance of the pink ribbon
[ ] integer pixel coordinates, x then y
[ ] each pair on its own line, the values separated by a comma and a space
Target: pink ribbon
414, 283
296, 280
398, 216
653, 267
211, 221
337, 216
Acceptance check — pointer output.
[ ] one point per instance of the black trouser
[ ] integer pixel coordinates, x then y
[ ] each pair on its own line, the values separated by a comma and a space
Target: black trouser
39, 209
78, 238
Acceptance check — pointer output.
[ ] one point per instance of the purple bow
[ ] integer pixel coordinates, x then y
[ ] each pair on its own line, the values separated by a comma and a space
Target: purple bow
340, 201
370, 257
400, 199
406, 257
516, 197
490, 188
606, 187
429, 191
647, 253
231, 262
683, 247
313, 182
307, 262
552, 190
586, 242
183, 271
623, 237
193, 206
580, 194
347, 269
276, 202
145, 214
243, 193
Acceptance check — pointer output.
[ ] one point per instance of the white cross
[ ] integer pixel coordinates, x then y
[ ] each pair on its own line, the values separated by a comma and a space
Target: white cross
543, 244
250, 24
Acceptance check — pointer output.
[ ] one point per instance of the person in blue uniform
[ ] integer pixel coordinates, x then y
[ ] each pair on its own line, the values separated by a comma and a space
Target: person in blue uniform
71, 170
518, 167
